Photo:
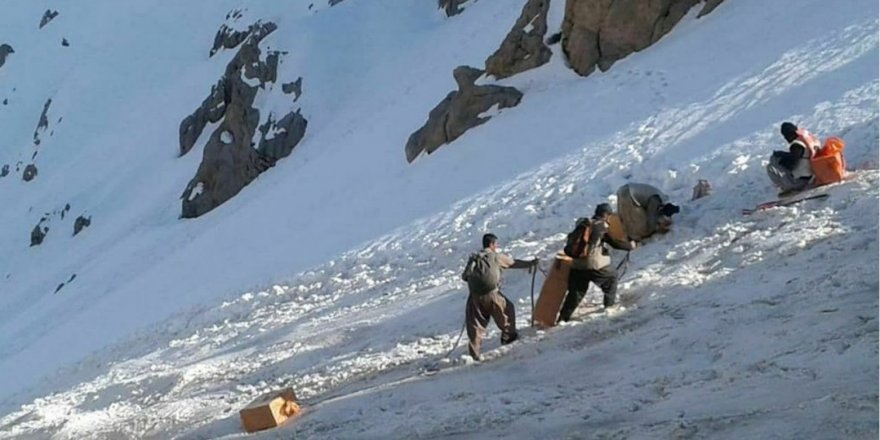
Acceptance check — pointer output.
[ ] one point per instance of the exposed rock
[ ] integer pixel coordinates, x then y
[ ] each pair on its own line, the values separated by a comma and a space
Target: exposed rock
72, 277
709, 7
44, 122
230, 160
5, 50
460, 111
523, 48
38, 234
48, 16
5, 101
277, 139
597, 33
228, 38
64, 42
335, 2
4, 171
80, 223
451, 7
293, 87
30, 172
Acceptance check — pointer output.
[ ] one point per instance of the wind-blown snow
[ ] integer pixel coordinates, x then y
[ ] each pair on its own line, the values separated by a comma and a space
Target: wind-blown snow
344, 284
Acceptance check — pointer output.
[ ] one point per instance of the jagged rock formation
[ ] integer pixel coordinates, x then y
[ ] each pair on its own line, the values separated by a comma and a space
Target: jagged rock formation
597, 33
80, 223
231, 160
65, 43
38, 234
30, 172
451, 7
4, 171
460, 111
43, 124
523, 48
48, 16
228, 38
5, 50
293, 87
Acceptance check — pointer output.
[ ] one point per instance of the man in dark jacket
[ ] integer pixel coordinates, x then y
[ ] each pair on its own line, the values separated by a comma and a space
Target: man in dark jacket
790, 170
596, 267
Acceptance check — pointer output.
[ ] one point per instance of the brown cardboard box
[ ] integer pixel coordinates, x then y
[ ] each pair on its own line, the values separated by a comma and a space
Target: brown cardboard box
270, 410
553, 292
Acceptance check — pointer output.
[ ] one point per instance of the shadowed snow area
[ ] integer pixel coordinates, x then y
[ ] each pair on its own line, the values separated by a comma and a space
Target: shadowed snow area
760, 326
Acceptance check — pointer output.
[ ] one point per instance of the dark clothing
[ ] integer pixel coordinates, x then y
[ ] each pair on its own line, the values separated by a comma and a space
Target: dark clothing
605, 277
482, 307
782, 177
789, 159
578, 284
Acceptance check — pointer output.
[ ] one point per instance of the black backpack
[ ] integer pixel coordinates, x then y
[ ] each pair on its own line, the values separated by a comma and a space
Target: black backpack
577, 245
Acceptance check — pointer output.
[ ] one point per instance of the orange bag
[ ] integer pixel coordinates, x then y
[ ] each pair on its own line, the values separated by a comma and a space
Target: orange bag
828, 163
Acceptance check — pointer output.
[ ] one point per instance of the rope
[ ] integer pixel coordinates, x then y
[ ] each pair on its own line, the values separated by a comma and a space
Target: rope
454, 346
625, 264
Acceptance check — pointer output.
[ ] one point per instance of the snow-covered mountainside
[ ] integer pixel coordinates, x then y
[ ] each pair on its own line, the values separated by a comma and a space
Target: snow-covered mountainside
322, 259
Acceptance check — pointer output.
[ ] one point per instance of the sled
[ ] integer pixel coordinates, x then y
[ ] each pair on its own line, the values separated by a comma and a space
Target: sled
553, 292
270, 410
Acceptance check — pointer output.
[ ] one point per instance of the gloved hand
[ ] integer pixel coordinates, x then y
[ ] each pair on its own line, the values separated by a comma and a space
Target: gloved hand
633, 244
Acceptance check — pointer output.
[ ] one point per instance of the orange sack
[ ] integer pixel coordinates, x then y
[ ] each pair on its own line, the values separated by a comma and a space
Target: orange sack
828, 163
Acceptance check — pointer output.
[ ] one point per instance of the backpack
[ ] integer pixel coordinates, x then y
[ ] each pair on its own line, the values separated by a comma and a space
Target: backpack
482, 273
577, 245
828, 164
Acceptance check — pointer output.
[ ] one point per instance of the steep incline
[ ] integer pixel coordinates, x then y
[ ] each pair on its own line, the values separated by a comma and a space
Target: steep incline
737, 326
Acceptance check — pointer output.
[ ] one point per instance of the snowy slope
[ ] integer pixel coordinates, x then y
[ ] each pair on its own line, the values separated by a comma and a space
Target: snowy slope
737, 327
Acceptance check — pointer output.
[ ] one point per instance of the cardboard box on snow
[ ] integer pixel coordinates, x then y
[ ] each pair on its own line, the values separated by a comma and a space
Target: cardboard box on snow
270, 410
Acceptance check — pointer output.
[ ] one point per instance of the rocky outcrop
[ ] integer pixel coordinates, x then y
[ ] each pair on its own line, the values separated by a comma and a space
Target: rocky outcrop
30, 172
295, 87
43, 123
65, 43
4, 171
5, 50
460, 111
228, 38
48, 16
451, 7
38, 234
597, 33
231, 160
80, 223
523, 48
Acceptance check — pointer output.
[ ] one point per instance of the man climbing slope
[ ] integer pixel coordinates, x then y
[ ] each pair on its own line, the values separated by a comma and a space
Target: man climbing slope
588, 245
644, 210
483, 276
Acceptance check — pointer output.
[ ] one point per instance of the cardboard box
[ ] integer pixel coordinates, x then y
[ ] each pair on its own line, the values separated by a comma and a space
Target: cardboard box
270, 410
553, 292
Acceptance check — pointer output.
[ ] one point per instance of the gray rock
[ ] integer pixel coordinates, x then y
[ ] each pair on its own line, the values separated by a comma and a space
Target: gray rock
335, 2
597, 33
451, 7
43, 124
228, 38
65, 43
30, 172
38, 234
709, 7
4, 171
230, 161
523, 48
293, 87
459, 111
5, 50
286, 134
80, 223
48, 16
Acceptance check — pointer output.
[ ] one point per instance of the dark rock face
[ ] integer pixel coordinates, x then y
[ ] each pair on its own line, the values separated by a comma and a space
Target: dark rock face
451, 7
30, 172
65, 43
523, 48
43, 124
4, 171
231, 160
38, 234
48, 16
228, 38
5, 50
293, 87
80, 223
597, 33
459, 112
